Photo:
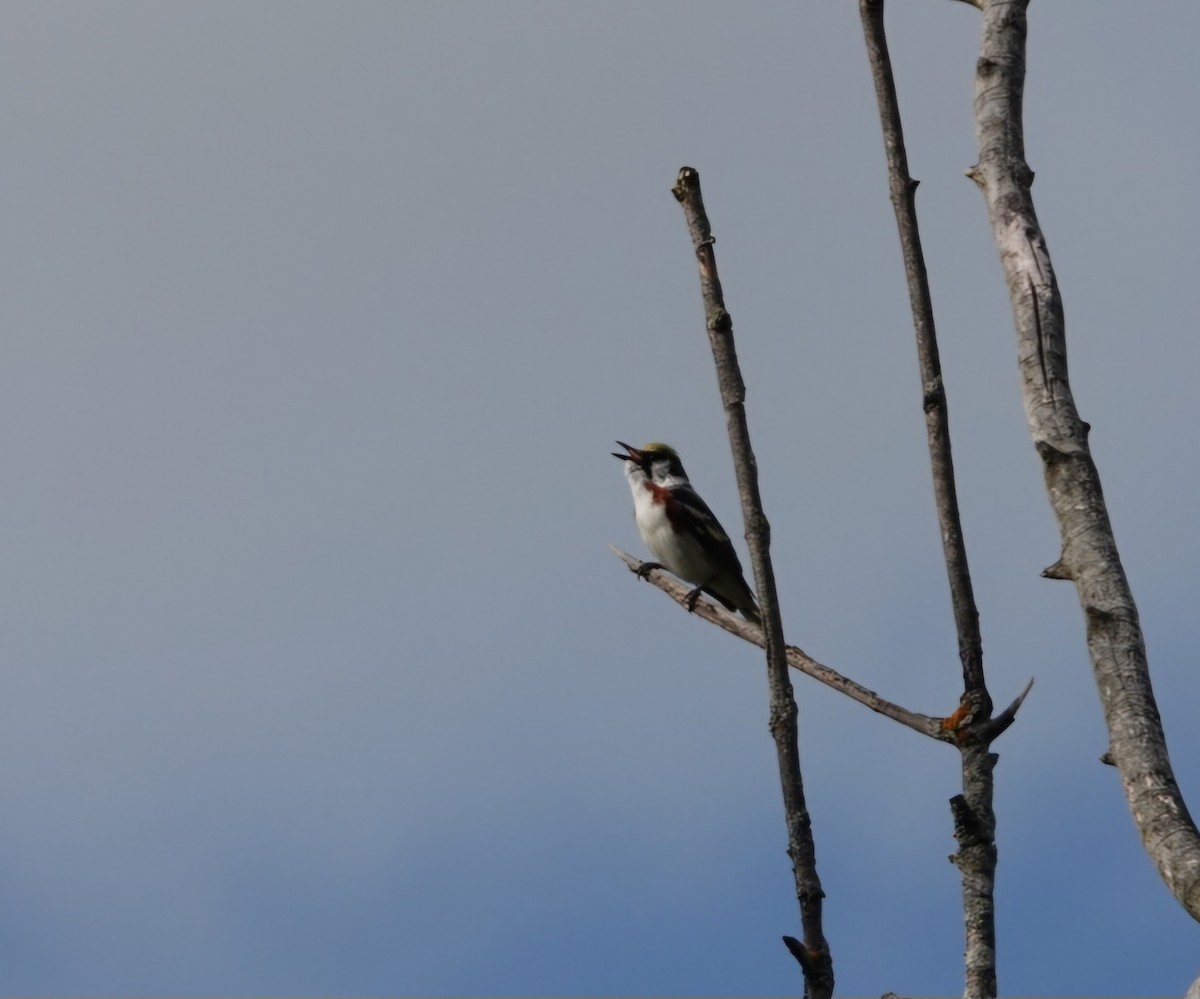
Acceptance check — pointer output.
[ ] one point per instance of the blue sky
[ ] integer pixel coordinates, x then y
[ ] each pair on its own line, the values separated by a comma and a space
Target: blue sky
320, 322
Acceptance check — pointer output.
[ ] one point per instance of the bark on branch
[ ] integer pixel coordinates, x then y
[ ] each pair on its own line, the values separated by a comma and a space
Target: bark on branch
974, 815
903, 190
798, 659
1137, 745
813, 955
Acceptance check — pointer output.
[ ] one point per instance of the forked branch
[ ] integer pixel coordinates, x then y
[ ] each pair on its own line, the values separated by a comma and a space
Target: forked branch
798, 659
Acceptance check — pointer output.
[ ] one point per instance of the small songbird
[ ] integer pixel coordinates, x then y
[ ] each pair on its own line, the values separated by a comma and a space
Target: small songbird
681, 531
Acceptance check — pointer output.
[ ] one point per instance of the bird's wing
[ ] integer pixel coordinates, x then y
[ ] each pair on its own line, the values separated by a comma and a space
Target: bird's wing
698, 520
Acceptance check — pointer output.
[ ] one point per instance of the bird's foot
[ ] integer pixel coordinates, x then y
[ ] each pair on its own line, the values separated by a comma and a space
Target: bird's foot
690, 600
644, 570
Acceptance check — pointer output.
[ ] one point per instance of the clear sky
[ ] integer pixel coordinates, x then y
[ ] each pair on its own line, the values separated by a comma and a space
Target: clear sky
320, 321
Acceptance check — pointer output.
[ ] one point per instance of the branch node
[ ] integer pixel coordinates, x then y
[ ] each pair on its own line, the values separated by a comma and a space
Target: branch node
968, 830
1058, 570
972, 705
1098, 616
719, 321
799, 952
816, 965
1056, 450
962, 716
935, 394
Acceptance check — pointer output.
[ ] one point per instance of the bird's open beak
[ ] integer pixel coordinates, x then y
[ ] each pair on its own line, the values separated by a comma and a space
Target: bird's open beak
634, 453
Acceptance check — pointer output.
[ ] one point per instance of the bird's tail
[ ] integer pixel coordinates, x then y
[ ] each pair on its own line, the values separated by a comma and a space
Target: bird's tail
738, 596
744, 598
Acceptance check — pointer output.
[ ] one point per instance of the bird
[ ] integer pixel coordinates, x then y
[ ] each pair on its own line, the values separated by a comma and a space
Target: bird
681, 531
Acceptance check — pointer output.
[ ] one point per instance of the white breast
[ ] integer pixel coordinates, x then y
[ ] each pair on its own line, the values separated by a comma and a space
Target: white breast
678, 553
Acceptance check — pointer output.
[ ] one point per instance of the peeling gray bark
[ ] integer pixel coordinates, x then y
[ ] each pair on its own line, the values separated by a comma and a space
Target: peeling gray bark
1137, 745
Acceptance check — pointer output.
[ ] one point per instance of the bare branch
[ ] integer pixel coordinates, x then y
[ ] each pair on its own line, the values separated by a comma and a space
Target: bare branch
903, 191
797, 658
818, 966
975, 833
1137, 745
972, 725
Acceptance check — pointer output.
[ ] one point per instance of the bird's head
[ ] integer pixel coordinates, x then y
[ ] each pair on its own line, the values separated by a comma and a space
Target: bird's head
659, 461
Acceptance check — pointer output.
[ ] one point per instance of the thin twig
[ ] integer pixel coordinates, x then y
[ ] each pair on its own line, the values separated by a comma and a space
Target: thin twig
817, 963
797, 658
903, 190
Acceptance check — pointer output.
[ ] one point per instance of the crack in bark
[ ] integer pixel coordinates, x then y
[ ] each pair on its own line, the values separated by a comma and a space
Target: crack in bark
1041, 343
